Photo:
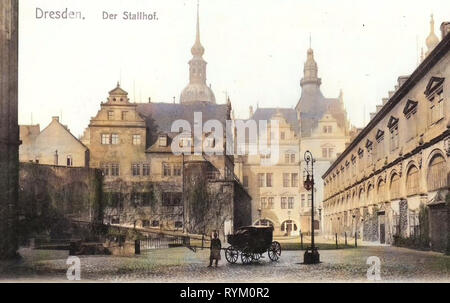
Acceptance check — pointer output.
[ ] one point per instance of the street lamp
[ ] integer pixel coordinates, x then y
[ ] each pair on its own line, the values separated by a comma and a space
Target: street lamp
311, 254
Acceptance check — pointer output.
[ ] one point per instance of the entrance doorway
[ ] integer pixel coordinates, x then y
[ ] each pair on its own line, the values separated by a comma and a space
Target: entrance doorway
382, 227
288, 227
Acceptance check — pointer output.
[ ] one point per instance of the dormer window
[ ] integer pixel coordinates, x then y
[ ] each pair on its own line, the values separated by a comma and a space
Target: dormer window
410, 111
380, 143
110, 115
162, 141
393, 129
435, 95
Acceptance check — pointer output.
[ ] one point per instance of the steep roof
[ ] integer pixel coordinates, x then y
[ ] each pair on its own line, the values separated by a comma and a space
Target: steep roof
162, 115
288, 113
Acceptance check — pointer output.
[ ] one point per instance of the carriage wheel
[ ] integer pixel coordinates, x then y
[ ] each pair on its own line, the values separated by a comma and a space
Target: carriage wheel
231, 255
256, 256
246, 258
274, 251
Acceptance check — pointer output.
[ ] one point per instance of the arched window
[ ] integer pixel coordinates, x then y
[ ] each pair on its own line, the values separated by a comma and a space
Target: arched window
288, 226
437, 173
370, 194
412, 181
395, 186
264, 222
381, 194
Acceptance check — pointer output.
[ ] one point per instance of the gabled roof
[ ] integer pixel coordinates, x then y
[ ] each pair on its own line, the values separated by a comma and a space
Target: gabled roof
289, 114
118, 91
410, 106
434, 83
159, 117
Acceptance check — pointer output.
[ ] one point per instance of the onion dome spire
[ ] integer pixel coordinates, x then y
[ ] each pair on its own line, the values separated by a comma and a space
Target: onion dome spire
432, 39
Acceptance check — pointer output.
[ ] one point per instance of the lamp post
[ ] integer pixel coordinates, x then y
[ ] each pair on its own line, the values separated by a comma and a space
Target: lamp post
311, 254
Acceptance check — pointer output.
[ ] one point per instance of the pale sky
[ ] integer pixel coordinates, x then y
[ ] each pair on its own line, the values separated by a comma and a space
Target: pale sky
255, 51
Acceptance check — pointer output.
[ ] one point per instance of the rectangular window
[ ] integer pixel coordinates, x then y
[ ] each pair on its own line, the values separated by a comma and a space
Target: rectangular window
261, 180
136, 169
291, 203
286, 180
136, 139
269, 179
162, 141
110, 115
309, 200
105, 139
146, 169
166, 170
292, 158
283, 203
303, 200
115, 169
394, 138
282, 136
69, 161
105, 169
245, 181
177, 170
114, 139
124, 115
263, 203
286, 158
324, 152
294, 180
172, 199
271, 203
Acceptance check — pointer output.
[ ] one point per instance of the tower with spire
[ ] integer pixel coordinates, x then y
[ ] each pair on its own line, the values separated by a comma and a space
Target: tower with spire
197, 89
432, 40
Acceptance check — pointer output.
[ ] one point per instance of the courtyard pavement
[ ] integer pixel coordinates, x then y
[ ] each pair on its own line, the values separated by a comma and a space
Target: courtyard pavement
183, 265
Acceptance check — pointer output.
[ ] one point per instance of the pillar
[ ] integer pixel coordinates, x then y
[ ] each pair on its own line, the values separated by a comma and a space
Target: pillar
9, 129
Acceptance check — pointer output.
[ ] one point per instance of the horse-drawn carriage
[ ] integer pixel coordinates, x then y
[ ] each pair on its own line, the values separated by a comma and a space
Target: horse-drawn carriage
251, 242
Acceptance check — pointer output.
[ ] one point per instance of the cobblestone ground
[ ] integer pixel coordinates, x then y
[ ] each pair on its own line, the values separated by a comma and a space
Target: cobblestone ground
183, 265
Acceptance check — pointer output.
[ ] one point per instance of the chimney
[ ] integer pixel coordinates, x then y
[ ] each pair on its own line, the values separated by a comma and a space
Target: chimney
150, 100
445, 29
55, 118
251, 111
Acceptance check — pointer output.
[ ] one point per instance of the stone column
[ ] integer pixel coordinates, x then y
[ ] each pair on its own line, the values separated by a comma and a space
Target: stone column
9, 129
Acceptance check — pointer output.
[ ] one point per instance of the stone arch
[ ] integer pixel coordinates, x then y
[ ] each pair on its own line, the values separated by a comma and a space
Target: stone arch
394, 185
412, 180
437, 175
381, 190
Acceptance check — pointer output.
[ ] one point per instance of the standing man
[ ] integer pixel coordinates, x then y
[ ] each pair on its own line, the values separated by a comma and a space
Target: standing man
216, 247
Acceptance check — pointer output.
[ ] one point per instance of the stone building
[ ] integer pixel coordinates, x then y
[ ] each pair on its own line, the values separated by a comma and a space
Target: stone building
146, 183
317, 124
397, 168
9, 130
54, 145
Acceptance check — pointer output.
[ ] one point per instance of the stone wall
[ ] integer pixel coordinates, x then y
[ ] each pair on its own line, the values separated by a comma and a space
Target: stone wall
51, 198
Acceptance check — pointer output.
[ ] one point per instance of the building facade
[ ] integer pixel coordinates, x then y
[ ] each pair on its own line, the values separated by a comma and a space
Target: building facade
9, 129
147, 183
54, 145
317, 124
397, 168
